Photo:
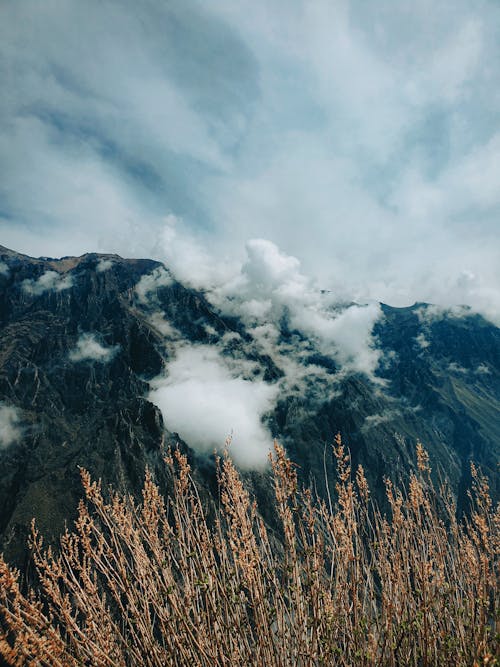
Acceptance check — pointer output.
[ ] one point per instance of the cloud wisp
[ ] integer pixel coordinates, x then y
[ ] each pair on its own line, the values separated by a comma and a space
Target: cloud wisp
50, 280
103, 265
10, 425
88, 348
150, 282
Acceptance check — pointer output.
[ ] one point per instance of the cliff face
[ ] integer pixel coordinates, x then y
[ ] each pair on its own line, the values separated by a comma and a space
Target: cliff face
80, 344
77, 411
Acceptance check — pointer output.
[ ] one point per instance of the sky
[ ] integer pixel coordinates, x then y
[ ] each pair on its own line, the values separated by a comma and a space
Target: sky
360, 140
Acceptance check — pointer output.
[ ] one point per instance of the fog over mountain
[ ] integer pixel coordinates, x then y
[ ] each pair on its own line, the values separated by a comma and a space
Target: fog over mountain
361, 138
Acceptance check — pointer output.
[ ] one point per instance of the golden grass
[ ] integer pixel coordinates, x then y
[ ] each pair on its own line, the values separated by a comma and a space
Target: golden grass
155, 584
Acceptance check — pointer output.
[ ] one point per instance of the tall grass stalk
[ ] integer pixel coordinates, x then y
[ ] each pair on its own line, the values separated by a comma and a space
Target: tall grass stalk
157, 584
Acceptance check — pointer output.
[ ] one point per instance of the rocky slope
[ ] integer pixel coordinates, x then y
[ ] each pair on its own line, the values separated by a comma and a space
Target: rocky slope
82, 339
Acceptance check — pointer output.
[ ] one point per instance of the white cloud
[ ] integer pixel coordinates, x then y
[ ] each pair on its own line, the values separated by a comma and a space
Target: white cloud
422, 341
268, 270
167, 329
271, 286
205, 401
456, 368
431, 312
103, 265
151, 282
4, 269
301, 377
483, 302
10, 429
88, 348
348, 333
50, 280
210, 330
360, 137
186, 254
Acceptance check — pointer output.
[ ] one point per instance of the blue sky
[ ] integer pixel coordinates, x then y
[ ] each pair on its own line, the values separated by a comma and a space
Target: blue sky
361, 137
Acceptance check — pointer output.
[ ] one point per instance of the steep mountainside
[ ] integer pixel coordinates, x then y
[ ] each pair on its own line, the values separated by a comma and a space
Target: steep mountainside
84, 340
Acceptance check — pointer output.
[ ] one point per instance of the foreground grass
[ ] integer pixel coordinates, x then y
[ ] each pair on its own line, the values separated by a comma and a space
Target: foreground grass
154, 584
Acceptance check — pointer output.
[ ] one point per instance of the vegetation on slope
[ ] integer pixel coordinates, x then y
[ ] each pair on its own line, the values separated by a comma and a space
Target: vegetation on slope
159, 584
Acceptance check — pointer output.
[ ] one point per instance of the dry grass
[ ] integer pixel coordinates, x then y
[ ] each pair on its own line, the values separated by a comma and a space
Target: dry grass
155, 585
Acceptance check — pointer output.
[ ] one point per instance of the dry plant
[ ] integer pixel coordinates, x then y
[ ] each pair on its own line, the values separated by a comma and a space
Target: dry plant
156, 584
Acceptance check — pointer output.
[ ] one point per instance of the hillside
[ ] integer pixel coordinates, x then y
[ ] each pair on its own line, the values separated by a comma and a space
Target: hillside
99, 361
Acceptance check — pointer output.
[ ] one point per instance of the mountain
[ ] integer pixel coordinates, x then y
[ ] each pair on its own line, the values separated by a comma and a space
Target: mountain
92, 347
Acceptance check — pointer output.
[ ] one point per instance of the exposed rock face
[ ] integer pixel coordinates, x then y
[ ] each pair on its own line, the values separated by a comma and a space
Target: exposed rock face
77, 413
79, 346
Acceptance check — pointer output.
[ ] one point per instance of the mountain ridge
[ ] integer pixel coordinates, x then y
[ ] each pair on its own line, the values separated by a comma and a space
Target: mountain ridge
438, 381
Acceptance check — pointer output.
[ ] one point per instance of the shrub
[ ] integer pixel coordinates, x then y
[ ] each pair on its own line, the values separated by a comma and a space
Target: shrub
155, 584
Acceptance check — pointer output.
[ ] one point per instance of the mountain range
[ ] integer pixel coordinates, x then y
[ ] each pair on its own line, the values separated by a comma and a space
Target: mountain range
105, 362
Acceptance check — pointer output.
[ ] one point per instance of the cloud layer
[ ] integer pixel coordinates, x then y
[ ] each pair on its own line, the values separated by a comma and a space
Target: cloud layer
362, 138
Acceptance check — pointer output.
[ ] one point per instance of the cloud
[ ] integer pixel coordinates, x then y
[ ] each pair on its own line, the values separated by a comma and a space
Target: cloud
483, 304
158, 321
97, 153
103, 265
271, 287
429, 313
4, 269
268, 269
50, 280
359, 137
10, 429
88, 348
369, 201
151, 282
372, 421
422, 341
350, 332
186, 254
456, 368
205, 401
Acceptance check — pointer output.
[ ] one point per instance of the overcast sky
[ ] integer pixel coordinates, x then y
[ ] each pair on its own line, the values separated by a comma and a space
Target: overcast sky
361, 137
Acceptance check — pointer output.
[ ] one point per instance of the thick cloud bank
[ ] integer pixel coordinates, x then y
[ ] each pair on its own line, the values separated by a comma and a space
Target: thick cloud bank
10, 429
88, 348
205, 402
